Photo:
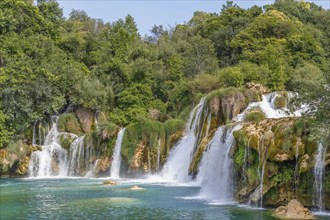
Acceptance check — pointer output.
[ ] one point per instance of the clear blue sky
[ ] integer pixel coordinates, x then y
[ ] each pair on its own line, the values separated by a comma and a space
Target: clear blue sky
160, 12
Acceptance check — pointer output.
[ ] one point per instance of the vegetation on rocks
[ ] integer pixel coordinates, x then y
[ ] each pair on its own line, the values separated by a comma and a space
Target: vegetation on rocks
99, 77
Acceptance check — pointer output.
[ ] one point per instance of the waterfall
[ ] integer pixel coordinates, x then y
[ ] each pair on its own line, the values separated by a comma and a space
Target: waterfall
52, 159
216, 168
261, 187
267, 106
116, 158
158, 154
34, 134
246, 160
177, 164
96, 122
39, 132
319, 169
76, 154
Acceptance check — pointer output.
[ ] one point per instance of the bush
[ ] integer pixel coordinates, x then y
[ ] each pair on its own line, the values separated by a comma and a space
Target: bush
254, 115
280, 102
231, 77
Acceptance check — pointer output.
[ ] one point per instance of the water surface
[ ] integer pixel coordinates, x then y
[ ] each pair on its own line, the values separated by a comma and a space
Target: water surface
83, 198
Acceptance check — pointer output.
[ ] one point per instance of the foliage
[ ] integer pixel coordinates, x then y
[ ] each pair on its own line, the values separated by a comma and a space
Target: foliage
50, 65
254, 116
280, 102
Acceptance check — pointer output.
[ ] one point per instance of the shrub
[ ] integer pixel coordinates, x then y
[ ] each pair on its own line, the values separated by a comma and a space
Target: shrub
280, 102
254, 115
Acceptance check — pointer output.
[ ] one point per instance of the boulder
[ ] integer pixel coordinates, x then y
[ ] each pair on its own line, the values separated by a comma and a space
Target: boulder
109, 182
293, 210
86, 119
136, 188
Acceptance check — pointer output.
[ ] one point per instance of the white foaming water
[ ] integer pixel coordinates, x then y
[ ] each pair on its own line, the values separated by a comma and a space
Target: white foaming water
177, 164
216, 168
116, 158
267, 106
76, 151
158, 153
52, 160
319, 169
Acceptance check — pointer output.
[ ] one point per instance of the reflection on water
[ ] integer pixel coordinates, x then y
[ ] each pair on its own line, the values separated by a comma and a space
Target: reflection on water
90, 199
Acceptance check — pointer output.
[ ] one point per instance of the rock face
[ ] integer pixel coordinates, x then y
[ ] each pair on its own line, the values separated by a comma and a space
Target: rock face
86, 119
294, 210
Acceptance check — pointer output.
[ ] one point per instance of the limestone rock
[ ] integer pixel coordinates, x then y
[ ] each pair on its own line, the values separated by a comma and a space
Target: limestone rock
256, 87
136, 188
282, 157
109, 182
86, 119
154, 114
293, 210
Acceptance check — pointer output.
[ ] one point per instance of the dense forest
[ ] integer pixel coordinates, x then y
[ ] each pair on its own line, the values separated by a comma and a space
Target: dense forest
50, 64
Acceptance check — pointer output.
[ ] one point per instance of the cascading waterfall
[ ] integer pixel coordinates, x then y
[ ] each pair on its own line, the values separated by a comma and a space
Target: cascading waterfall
216, 168
76, 150
261, 187
319, 169
246, 159
116, 158
267, 106
52, 160
177, 164
158, 154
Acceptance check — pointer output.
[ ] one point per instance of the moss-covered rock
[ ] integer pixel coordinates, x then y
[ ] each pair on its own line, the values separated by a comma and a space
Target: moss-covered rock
289, 150
68, 122
280, 102
254, 115
86, 118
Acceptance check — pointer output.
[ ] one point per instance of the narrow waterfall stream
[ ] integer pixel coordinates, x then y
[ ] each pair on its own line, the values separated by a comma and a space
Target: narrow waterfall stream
158, 154
76, 152
319, 171
116, 158
216, 168
177, 164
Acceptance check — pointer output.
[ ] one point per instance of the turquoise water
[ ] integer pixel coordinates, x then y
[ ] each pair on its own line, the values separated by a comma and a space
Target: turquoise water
90, 199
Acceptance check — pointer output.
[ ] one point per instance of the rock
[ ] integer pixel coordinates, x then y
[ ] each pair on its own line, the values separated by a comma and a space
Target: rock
136, 188
256, 87
154, 114
304, 165
280, 102
282, 157
86, 119
68, 122
294, 210
109, 182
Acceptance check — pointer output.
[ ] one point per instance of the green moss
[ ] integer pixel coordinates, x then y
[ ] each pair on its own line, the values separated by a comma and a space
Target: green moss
254, 116
252, 175
284, 176
68, 122
239, 156
107, 130
65, 143
280, 102
184, 115
223, 92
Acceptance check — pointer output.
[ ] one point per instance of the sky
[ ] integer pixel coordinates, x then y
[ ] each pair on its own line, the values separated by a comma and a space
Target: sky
147, 13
